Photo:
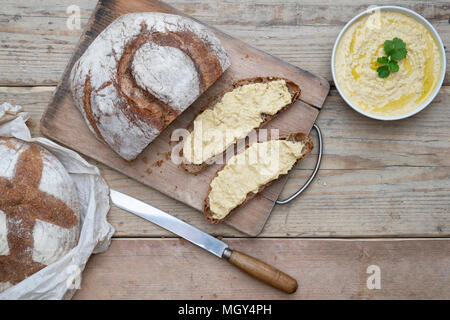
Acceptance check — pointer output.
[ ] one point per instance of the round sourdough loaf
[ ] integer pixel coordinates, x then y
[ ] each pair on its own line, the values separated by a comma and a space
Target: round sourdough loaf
140, 73
39, 215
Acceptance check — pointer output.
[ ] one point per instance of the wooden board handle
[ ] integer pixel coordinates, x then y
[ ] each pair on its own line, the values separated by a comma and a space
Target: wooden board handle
261, 271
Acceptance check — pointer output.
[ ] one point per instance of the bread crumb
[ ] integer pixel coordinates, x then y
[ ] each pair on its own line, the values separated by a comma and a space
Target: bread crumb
149, 171
158, 163
167, 155
30, 124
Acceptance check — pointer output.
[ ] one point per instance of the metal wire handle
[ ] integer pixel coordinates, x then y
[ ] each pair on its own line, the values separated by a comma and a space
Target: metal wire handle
313, 175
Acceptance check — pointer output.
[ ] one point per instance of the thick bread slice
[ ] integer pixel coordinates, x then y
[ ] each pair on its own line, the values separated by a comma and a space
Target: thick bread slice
298, 136
293, 88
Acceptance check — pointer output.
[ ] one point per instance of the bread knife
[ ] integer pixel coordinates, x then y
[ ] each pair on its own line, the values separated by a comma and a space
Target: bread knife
252, 266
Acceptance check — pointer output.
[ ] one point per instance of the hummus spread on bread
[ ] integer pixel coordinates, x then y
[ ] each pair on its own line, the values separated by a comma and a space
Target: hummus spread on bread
233, 117
247, 171
356, 64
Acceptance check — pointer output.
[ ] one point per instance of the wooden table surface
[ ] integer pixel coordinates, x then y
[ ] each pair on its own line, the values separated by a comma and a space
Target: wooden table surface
378, 180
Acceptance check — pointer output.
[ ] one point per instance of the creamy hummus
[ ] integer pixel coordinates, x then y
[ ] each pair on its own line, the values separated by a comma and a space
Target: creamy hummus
247, 171
356, 64
236, 114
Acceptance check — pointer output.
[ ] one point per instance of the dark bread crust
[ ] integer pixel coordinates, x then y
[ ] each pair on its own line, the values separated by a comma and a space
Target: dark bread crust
118, 93
293, 88
298, 136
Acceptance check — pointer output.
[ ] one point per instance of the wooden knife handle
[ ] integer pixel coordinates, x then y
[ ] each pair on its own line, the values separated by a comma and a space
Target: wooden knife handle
261, 271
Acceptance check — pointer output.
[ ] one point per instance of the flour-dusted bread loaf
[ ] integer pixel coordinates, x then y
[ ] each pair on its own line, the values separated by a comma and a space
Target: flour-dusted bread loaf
247, 173
140, 73
247, 105
39, 214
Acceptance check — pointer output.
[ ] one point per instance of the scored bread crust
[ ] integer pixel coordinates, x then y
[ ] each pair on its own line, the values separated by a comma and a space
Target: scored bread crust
297, 136
39, 210
293, 88
140, 73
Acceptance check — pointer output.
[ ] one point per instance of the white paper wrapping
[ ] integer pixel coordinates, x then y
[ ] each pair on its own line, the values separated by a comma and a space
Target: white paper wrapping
61, 279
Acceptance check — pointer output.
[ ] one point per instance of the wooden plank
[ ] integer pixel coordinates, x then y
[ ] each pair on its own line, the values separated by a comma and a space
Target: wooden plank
405, 202
324, 269
401, 167
35, 43
63, 122
419, 141
400, 201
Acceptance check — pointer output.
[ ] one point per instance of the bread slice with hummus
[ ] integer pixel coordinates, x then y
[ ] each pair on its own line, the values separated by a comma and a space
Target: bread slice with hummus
247, 173
249, 104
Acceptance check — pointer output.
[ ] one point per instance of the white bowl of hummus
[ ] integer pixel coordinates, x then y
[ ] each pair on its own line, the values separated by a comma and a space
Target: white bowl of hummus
410, 86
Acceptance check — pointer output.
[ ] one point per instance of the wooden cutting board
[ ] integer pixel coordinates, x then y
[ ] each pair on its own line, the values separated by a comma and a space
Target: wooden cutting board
63, 122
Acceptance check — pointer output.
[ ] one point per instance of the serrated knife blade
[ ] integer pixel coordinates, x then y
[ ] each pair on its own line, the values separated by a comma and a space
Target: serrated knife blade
169, 222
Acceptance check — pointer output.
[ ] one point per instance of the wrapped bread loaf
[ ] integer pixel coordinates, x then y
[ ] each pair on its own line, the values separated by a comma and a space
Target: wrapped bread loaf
140, 73
39, 211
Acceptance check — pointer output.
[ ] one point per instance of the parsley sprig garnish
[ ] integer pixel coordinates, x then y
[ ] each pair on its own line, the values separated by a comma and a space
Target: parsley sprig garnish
395, 50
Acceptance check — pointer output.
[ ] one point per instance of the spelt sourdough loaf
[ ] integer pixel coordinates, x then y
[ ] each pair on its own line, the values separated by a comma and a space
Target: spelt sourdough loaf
247, 105
39, 218
140, 73
236, 182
